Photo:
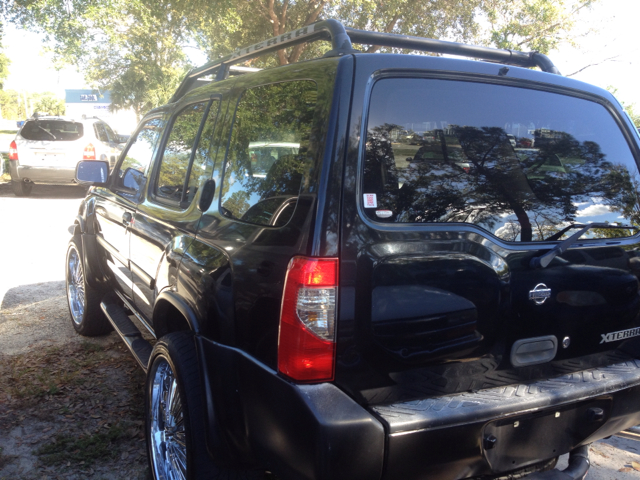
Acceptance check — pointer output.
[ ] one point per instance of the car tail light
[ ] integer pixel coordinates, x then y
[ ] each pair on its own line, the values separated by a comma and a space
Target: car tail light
13, 151
89, 153
306, 343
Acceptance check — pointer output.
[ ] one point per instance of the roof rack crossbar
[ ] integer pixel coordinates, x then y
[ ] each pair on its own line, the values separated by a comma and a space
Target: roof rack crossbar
341, 39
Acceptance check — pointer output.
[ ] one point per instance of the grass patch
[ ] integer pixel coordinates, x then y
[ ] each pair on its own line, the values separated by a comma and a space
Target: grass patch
33, 376
85, 449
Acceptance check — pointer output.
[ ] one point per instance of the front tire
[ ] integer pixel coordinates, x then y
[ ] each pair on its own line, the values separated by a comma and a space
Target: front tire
83, 300
21, 188
175, 426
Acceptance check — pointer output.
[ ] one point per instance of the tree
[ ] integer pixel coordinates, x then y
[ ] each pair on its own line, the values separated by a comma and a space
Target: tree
537, 25
629, 108
136, 49
50, 104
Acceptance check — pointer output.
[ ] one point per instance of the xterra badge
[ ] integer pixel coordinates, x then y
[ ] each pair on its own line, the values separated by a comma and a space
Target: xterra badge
621, 335
539, 294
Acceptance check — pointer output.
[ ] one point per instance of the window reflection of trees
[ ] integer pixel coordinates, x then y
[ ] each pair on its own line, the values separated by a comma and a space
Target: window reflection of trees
175, 160
277, 113
475, 175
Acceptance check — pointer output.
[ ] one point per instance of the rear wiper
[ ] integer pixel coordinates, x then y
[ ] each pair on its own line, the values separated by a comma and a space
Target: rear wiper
544, 260
47, 132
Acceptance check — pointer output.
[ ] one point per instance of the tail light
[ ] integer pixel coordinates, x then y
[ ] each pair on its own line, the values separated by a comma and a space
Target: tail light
13, 151
306, 344
89, 153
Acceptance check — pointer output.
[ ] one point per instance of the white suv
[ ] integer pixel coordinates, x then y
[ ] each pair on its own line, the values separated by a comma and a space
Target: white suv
47, 149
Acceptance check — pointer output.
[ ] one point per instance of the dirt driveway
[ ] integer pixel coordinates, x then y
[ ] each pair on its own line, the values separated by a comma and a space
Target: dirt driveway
72, 408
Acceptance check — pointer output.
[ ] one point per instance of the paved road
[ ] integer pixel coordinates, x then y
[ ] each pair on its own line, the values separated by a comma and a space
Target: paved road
33, 243
33, 240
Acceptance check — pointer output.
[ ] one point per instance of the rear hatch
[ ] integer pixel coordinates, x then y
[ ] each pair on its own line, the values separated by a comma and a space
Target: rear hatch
463, 188
50, 143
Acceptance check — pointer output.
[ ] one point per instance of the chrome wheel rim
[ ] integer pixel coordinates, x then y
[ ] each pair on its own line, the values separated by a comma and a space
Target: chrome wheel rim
166, 422
75, 286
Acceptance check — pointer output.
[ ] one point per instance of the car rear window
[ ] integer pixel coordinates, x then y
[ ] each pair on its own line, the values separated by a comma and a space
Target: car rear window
52, 130
522, 164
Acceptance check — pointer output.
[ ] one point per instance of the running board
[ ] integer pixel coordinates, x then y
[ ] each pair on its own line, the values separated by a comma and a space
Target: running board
128, 331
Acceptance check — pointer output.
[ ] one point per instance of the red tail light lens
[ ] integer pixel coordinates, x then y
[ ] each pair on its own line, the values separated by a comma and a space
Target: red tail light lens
306, 345
89, 152
13, 151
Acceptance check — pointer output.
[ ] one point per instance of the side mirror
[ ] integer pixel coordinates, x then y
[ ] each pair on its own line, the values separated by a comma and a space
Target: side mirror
92, 172
133, 179
122, 138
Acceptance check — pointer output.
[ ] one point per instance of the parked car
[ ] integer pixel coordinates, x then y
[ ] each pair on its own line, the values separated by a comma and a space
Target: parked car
329, 312
47, 150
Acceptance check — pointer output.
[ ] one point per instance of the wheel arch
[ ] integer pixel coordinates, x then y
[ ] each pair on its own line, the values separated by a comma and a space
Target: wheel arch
166, 306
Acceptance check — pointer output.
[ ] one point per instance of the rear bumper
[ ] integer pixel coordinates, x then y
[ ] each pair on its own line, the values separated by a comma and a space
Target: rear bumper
297, 431
506, 428
48, 175
318, 432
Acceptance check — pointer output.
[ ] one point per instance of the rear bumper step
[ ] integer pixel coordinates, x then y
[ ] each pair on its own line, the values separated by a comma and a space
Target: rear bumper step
491, 403
128, 331
501, 430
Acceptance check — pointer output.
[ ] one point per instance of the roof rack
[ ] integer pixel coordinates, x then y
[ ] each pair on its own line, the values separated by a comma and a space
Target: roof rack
341, 44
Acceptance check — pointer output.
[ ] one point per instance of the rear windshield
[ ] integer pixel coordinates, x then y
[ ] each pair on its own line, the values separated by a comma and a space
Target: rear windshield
522, 164
51, 130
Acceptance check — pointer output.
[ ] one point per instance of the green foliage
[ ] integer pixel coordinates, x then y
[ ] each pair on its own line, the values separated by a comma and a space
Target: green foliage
536, 25
50, 104
136, 49
629, 108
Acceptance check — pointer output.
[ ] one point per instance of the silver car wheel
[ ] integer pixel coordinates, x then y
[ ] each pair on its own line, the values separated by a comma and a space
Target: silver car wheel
166, 423
75, 286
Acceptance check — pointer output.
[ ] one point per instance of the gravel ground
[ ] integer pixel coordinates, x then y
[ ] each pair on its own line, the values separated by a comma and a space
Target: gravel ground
104, 395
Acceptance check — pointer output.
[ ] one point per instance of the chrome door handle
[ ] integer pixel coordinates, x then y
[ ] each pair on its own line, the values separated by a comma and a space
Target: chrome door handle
126, 219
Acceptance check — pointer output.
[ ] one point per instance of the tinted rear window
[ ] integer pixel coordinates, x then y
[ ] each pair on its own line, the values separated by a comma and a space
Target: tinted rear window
52, 130
522, 164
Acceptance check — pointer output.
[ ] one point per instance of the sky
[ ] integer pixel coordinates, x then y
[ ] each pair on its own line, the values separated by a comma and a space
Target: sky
607, 37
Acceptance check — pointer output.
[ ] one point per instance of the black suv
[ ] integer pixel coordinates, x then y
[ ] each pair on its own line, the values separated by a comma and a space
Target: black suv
325, 305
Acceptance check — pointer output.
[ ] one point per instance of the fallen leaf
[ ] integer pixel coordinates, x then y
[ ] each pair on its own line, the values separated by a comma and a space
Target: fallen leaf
625, 469
636, 466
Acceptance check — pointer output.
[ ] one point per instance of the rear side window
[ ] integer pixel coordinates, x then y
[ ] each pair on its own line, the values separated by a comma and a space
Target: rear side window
133, 170
184, 167
52, 130
522, 164
269, 152
174, 164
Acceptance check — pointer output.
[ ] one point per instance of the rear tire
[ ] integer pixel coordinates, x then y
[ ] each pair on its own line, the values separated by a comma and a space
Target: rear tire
175, 426
22, 188
83, 300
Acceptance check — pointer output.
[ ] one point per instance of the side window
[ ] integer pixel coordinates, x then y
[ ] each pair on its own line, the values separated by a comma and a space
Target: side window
202, 166
185, 166
110, 133
100, 132
269, 152
132, 172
